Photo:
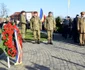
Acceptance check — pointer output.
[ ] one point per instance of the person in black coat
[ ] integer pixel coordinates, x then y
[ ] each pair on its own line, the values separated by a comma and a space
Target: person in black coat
67, 27
74, 29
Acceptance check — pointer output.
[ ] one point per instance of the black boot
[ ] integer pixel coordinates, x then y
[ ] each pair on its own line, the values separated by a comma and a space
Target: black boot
51, 42
38, 41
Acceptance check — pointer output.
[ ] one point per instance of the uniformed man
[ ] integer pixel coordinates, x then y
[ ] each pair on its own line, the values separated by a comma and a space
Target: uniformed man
23, 24
81, 28
50, 26
36, 26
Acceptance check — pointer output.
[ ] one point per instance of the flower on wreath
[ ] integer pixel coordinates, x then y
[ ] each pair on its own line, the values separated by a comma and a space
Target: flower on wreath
8, 38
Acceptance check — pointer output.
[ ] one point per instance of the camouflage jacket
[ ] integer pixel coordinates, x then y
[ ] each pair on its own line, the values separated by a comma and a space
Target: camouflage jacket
50, 23
35, 23
23, 19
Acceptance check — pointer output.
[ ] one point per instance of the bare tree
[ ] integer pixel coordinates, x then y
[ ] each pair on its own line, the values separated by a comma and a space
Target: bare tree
3, 10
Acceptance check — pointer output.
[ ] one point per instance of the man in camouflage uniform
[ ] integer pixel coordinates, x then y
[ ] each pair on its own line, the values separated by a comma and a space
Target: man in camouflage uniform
23, 24
81, 28
36, 26
50, 26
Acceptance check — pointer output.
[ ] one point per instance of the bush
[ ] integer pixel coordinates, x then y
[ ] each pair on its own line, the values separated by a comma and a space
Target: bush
58, 24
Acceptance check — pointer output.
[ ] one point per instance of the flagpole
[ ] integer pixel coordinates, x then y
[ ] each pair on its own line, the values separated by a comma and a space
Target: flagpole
68, 7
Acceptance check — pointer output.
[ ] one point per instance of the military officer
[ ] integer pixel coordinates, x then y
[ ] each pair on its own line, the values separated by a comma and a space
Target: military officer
36, 26
23, 24
50, 26
81, 28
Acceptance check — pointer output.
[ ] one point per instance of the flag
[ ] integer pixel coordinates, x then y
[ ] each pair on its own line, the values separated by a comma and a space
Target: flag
18, 46
41, 15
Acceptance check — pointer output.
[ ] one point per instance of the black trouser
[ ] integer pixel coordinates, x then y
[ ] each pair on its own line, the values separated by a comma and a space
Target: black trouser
70, 32
75, 36
65, 31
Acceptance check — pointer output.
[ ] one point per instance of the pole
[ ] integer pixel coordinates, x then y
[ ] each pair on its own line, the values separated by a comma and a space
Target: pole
8, 61
68, 7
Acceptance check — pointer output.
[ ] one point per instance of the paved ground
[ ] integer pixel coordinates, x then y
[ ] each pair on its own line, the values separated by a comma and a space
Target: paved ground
63, 55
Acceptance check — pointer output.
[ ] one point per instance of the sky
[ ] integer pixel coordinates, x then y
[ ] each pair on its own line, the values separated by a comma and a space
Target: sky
58, 7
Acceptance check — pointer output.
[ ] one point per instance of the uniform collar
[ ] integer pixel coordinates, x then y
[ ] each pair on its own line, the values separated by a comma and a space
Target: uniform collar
50, 16
35, 17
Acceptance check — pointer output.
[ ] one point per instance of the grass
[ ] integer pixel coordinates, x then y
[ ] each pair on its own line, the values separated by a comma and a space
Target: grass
29, 36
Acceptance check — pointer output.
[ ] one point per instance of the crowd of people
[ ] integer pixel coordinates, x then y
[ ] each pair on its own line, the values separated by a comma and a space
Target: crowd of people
74, 29
69, 28
36, 26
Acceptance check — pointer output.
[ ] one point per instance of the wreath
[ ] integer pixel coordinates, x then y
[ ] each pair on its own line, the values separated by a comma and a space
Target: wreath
8, 39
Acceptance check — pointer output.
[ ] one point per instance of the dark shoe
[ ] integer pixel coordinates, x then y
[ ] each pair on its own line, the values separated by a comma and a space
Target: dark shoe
81, 44
38, 42
51, 43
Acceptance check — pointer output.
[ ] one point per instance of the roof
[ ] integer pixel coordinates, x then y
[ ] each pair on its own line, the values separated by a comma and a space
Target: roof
18, 13
15, 14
